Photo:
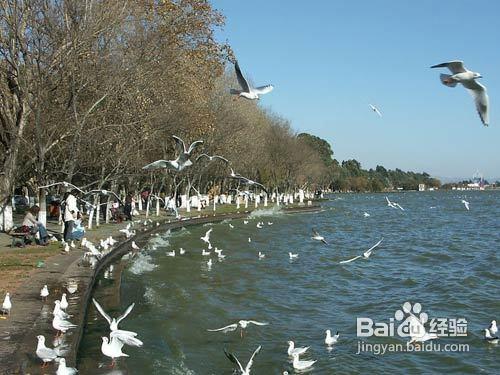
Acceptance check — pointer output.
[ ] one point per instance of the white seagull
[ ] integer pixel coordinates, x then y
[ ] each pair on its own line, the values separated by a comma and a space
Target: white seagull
212, 157
240, 369
329, 339
44, 293
62, 325
64, 302
375, 109
493, 327
394, 204
468, 79
209, 263
243, 324
63, 370
45, 354
418, 332
301, 365
134, 246
492, 339
113, 322
171, 253
292, 350
293, 256
247, 90
112, 348
206, 237
316, 236
366, 214
466, 204
7, 304
182, 251
205, 253
261, 255
365, 255
58, 311
182, 160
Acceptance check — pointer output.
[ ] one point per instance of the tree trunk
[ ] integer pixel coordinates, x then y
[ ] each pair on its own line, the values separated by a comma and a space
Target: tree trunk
42, 214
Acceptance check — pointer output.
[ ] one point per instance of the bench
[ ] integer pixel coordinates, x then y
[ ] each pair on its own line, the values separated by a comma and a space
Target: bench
21, 239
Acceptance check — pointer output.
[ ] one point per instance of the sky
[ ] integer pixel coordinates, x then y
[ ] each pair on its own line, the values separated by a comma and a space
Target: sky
328, 59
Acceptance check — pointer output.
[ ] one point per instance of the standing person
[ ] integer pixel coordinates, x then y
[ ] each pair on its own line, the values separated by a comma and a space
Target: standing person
30, 220
70, 214
128, 207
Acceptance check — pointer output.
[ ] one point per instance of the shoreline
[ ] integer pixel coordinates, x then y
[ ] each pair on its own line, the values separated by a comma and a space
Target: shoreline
29, 319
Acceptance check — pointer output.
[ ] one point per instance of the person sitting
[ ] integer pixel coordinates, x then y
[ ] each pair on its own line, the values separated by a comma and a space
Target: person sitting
30, 220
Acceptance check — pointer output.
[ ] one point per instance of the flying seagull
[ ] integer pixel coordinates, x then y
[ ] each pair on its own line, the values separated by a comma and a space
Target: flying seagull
246, 181
468, 79
240, 369
243, 324
394, 204
316, 236
113, 322
466, 204
206, 237
182, 160
247, 90
212, 157
365, 255
105, 192
375, 109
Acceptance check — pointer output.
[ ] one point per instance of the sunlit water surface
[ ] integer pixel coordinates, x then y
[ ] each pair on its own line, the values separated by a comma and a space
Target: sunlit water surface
435, 252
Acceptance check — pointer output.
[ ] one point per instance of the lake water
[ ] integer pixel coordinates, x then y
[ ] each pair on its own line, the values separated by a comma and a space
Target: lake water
435, 253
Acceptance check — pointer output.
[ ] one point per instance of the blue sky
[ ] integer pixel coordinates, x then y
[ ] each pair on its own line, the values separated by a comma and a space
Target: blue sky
329, 59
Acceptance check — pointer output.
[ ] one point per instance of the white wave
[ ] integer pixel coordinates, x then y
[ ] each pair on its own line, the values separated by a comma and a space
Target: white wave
273, 211
142, 263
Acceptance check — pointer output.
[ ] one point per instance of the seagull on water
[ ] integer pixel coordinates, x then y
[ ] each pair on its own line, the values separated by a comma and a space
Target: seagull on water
394, 204
260, 225
375, 109
365, 255
292, 350
182, 251
44, 293
301, 365
366, 214
45, 354
316, 236
329, 339
293, 256
182, 160
245, 222
468, 79
492, 339
231, 226
7, 304
206, 237
171, 253
63, 370
493, 327
466, 204
247, 90
249, 240
243, 324
209, 263
418, 332
240, 369
261, 255
205, 253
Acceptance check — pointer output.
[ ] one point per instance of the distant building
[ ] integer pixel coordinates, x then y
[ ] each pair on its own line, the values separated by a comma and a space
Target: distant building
421, 187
